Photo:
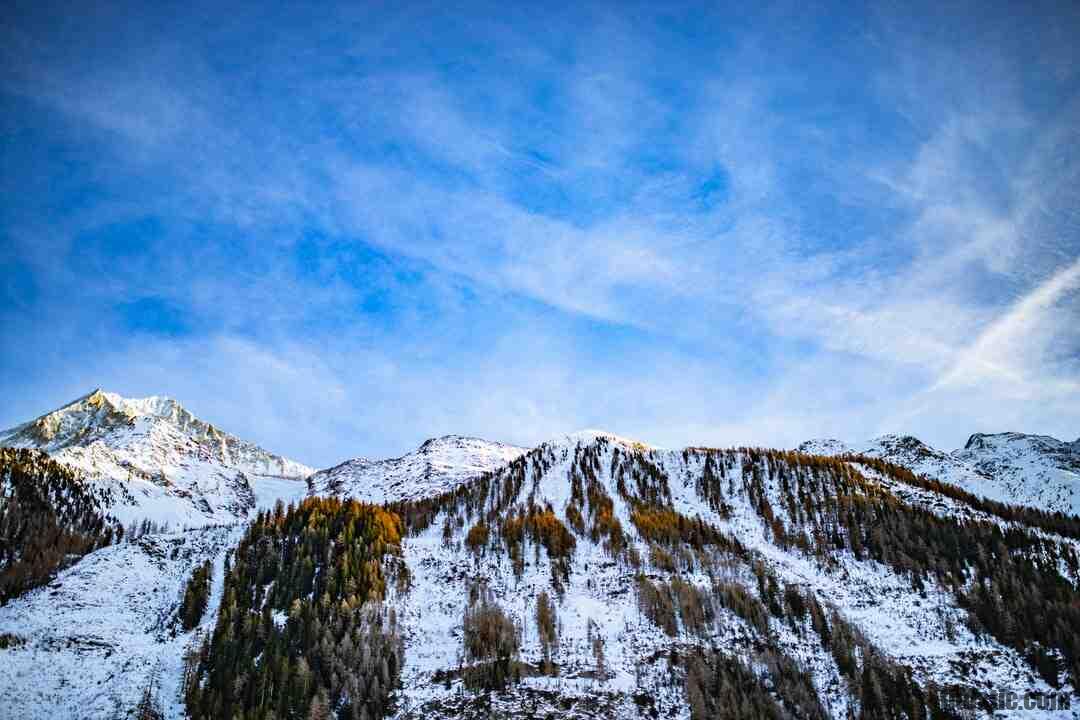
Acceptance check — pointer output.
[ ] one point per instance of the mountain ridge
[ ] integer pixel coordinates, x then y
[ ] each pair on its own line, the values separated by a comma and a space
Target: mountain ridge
224, 477
436, 465
620, 576
1037, 471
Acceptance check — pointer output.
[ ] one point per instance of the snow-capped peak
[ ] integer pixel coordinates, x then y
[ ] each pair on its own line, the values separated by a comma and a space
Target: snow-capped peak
158, 460
99, 414
903, 446
824, 446
160, 406
437, 465
894, 447
68, 423
1036, 470
982, 441
437, 445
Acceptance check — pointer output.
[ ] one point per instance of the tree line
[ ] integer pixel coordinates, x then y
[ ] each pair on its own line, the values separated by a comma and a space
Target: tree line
49, 519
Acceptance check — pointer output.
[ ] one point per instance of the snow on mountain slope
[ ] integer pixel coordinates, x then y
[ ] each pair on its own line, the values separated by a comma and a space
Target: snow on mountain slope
162, 463
922, 630
93, 636
1032, 470
438, 465
92, 639
921, 459
824, 446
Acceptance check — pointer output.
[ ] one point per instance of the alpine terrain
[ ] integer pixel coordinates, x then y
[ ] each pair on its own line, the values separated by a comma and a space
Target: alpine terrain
1033, 470
159, 463
592, 576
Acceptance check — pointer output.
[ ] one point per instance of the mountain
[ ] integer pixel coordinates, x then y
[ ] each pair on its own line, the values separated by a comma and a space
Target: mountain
592, 576
159, 462
1032, 470
438, 465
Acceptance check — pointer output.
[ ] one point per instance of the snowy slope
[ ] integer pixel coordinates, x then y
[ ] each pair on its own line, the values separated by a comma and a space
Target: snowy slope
160, 461
438, 465
924, 632
1032, 470
95, 636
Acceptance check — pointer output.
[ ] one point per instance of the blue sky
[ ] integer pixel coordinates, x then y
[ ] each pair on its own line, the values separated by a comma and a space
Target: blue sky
339, 230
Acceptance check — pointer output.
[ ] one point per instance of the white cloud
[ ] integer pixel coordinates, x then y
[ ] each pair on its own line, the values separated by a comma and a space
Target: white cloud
1012, 350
